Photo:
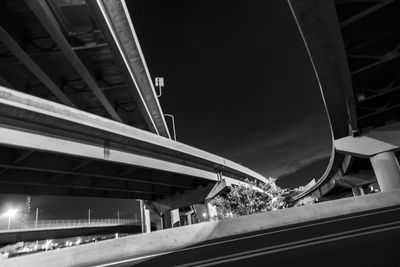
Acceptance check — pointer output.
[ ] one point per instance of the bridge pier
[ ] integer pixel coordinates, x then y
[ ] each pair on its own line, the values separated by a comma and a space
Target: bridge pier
379, 146
211, 210
357, 191
171, 219
147, 221
387, 170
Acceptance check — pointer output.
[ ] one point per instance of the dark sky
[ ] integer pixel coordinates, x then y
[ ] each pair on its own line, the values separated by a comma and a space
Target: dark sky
240, 85
238, 81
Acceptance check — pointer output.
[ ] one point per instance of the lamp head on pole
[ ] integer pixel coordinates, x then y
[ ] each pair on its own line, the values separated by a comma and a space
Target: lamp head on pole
11, 212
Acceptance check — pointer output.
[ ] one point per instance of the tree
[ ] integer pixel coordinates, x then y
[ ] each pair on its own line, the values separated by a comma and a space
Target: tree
248, 199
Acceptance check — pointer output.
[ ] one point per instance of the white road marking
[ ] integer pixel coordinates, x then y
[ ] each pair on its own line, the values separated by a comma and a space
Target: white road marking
256, 235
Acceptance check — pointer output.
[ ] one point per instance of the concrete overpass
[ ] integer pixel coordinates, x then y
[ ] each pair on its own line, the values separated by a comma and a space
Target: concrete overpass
354, 49
52, 149
83, 118
84, 54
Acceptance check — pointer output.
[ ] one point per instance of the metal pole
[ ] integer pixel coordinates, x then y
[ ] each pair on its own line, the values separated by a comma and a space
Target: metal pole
118, 216
37, 217
89, 216
9, 222
173, 124
141, 215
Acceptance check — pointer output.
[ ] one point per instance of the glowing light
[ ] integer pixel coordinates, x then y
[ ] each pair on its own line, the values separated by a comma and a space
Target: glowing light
11, 212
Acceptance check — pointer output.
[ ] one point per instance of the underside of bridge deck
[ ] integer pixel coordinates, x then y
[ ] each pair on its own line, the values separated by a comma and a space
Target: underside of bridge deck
371, 36
61, 51
354, 46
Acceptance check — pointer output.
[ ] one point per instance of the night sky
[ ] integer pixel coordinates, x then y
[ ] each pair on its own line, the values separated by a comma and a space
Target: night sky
239, 83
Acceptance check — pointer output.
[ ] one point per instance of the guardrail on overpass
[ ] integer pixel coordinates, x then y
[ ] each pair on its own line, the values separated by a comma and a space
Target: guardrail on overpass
48, 224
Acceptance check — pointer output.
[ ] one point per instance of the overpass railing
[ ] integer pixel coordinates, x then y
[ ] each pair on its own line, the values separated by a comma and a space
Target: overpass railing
45, 224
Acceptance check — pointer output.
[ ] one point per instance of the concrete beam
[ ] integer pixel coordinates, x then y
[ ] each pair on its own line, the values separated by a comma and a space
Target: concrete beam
187, 198
387, 170
171, 219
98, 176
46, 17
17, 50
366, 12
40, 141
26, 111
375, 141
226, 183
383, 59
116, 25
356, 180
319, 27
199, 195
31, 189
27, 181
355, 1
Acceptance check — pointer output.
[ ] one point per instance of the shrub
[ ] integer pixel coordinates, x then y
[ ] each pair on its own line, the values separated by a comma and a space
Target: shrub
249, 199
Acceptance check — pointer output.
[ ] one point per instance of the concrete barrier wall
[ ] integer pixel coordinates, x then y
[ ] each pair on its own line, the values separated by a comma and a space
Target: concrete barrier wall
8, 237
177, 238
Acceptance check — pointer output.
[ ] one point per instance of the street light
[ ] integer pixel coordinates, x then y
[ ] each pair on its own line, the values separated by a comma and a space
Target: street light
173, 123
159, 81
10, 213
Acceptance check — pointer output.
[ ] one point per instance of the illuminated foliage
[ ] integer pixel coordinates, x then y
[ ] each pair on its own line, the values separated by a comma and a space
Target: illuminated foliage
248, 199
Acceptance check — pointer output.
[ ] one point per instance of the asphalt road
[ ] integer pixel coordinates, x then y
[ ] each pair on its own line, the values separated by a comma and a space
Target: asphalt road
363, 239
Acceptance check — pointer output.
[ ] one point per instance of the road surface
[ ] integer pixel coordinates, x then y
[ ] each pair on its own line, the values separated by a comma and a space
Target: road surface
363, 239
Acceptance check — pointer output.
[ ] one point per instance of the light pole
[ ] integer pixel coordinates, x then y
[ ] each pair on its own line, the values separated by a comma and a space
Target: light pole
173, 123
36, 217
89, 213
10, 213
141, 214
159, 81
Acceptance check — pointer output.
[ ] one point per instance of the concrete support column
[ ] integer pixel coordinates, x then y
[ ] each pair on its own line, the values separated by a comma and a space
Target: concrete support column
147, 221
171, 219
357, 191
175, 218
361, 190
189, 219
387, 170
211, 210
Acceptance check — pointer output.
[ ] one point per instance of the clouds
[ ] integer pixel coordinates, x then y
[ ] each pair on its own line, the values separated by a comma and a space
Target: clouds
287, 148
301, 176
239, 82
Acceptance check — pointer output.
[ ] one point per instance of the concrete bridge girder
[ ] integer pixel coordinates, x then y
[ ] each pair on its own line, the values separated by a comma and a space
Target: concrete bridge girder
59, 120
378, 145
352, 89
170, 206
198, 195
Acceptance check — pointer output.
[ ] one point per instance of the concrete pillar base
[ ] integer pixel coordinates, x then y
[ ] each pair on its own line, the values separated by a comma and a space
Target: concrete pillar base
171, 219
357, 191
147, 221
211, 210
387, 170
